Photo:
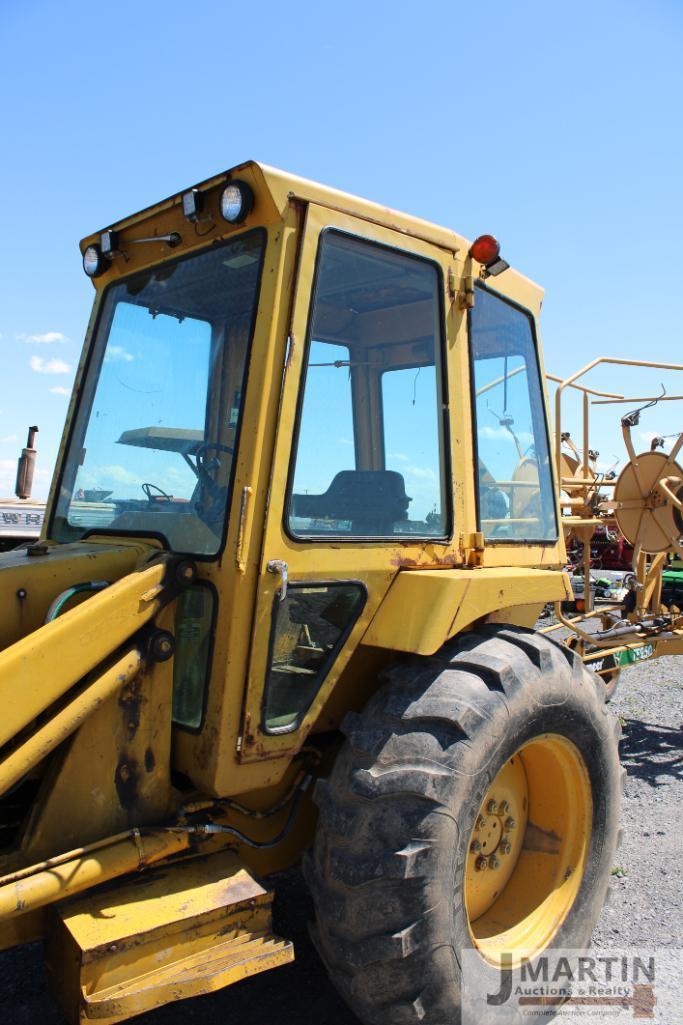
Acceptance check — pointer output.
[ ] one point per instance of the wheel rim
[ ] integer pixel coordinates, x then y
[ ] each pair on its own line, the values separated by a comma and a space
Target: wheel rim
527, 851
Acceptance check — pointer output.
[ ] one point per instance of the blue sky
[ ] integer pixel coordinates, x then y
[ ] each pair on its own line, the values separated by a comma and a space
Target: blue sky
555, 126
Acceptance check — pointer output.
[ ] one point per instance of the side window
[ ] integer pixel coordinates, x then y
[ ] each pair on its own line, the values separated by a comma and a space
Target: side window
309, 628
516, 495
194, 624
369, 459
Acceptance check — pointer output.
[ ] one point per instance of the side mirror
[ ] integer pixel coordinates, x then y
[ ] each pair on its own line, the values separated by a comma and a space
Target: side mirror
26, 466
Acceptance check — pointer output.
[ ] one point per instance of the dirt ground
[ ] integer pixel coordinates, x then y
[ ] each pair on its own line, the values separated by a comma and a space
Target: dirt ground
646, 898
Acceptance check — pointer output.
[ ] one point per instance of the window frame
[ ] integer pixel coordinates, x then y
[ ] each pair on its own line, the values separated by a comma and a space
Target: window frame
329, 662
441, 368
543, 542
82, 376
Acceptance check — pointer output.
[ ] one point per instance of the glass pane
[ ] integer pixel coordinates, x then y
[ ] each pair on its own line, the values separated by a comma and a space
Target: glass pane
369, 459
194, 620
410, 404
326, 421
516, 498
153, 444
309, 628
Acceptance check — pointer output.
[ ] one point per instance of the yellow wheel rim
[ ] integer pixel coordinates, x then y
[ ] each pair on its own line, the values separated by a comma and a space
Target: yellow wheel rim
527, 851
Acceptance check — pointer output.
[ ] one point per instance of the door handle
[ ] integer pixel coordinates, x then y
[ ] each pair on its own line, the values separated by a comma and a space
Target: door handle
280, 569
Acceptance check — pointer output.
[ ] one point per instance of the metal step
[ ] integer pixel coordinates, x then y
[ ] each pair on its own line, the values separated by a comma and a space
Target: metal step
168, 934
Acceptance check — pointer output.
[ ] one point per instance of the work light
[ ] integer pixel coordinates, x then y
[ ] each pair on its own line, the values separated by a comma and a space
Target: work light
93, 262
109, 244
193, 202
237, 201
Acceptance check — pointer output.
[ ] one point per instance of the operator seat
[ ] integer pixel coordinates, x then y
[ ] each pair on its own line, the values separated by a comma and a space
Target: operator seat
373, 500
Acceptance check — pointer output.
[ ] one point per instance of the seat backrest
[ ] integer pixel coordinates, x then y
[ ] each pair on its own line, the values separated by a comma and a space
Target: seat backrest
373, 500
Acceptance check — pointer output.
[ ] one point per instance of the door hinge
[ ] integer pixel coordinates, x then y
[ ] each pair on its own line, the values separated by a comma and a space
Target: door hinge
474, 547
466, 294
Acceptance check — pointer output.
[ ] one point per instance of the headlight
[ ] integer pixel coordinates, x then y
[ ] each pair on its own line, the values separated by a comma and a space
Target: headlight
93, 261
237, 201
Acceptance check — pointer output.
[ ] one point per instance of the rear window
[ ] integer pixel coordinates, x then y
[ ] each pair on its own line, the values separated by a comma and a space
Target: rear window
514, 478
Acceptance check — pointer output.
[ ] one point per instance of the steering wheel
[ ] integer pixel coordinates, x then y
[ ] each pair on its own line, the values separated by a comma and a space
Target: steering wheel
202, 469
153, 493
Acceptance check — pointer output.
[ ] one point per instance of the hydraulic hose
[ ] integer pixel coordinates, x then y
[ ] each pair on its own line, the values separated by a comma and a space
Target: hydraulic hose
60, 601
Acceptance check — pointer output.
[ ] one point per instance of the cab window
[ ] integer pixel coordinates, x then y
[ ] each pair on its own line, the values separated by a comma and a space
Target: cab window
514, 479
369, 458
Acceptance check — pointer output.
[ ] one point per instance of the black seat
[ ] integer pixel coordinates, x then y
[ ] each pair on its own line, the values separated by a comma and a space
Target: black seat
373, 500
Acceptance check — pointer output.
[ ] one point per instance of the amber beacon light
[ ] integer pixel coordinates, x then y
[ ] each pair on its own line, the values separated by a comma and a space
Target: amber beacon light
486, 250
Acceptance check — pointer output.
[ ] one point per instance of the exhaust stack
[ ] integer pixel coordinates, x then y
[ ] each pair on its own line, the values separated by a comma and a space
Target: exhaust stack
25, 466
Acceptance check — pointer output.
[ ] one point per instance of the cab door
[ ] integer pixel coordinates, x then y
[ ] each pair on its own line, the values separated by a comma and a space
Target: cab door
361, 481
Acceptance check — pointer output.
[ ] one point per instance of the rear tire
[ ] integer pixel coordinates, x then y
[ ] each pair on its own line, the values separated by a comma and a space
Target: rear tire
392, 850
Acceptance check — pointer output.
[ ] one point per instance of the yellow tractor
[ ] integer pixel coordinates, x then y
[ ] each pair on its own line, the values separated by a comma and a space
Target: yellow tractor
304, 519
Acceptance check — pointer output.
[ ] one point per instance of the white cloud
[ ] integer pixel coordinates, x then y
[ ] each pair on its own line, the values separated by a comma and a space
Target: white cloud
59, 389
40, 365
117, 354
8, 438
48, 338
503, 434
105, 476
8, 476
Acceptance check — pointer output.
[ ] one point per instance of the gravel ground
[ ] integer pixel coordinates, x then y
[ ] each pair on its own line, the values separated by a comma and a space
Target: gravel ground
646, 902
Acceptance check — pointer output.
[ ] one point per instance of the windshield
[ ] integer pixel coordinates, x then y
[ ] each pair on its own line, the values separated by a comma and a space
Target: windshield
153, 443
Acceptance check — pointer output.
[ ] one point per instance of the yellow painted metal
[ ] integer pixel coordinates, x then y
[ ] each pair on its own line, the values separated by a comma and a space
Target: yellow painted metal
28, 585
518, 900
423, 609
643, 509
20, 760
26, 928
177, 932
41, 667
61, 877
497, 838
114, 772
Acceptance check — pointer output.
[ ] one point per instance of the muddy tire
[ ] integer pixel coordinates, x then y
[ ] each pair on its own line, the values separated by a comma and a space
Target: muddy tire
391, 871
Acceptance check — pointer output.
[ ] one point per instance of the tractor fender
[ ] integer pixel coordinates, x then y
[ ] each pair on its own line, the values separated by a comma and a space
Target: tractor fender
424, 608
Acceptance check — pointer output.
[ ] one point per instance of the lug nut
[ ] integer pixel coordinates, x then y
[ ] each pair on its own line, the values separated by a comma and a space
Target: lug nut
493, 862
481, 822
503, 808
510, 823
481, 864
475, 846
491, 807
505, 847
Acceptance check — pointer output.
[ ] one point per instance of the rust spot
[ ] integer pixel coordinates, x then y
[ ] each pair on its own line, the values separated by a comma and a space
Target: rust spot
126, 779
427, 561
130, 701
